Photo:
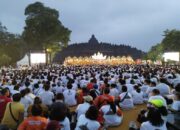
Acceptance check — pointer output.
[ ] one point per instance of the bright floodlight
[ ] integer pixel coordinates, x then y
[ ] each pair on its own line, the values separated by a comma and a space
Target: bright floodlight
98, 56
174, 56
37, 58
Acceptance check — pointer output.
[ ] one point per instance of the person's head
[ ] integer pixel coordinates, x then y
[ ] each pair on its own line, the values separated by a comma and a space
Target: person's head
92, 113
147, 81
155, 92
177, 96
154, 117
17, 97
5, 92
60, 96
58, 111
153, 84
177, 88
36, 110
46, 87
37, 100
136, 87
88, 99
124, 88
69, 86
23, 93
113, 85
106, 90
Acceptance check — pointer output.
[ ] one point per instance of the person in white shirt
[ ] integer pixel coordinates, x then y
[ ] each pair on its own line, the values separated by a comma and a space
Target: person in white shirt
112, 114
126, 101
155, 121
137, 95
145, 86
82, 108
176, 103
59, 113
155, 94
47, 96
70, 95
163, 87
89, 120
113, 91
25, 101
152, 86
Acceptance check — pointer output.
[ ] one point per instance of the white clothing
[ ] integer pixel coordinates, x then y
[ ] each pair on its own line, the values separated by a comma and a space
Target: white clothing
91, 124
128, 102
148, 126
82, 108
65, 124
114, 92
70, 97
26, 102
47, 97
163, 88
110, 120
176, 105
137, 97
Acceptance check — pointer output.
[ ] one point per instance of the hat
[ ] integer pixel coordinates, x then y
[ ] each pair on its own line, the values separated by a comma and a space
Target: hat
87, 98
157, 102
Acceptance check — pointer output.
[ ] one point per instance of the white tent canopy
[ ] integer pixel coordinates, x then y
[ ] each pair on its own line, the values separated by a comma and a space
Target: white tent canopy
23, 61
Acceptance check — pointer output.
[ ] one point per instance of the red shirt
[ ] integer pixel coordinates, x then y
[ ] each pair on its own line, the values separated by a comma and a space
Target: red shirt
90, 86
3, 102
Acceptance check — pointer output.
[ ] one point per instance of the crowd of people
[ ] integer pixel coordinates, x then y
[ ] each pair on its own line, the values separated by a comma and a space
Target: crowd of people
42, 97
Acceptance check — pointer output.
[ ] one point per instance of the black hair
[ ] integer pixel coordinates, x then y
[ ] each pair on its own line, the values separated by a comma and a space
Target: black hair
136, 87
46, 87
58, 111
36, 110
36, 85
37, 100
23, 93
69, 86
113, 85
92, 113
106, 90
124, 88
60, 96
156, 91
154, 117
153, 83
163, 111
4, 91
17, 97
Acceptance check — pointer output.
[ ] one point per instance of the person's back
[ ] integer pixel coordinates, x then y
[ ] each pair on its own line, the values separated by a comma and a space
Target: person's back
3, 102
47, 96
163, 88
13, 109
35, 122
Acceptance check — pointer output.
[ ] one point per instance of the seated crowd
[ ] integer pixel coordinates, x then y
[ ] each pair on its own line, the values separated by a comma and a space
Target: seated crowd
87, 97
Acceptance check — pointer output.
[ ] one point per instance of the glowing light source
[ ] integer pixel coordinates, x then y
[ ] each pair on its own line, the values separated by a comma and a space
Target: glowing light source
173, 56
37, 58
98, 56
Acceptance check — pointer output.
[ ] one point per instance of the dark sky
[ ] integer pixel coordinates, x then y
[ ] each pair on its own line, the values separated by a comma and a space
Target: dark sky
139, 23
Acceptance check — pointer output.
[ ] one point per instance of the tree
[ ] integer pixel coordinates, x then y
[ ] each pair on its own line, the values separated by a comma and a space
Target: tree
171, 41
155, 52
12, 47
43, 28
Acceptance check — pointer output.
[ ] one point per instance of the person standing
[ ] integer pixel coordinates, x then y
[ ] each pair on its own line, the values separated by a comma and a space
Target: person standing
4, 99
14, 113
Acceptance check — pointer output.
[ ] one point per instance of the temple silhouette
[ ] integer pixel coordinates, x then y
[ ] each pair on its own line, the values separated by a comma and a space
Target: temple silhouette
94, 46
